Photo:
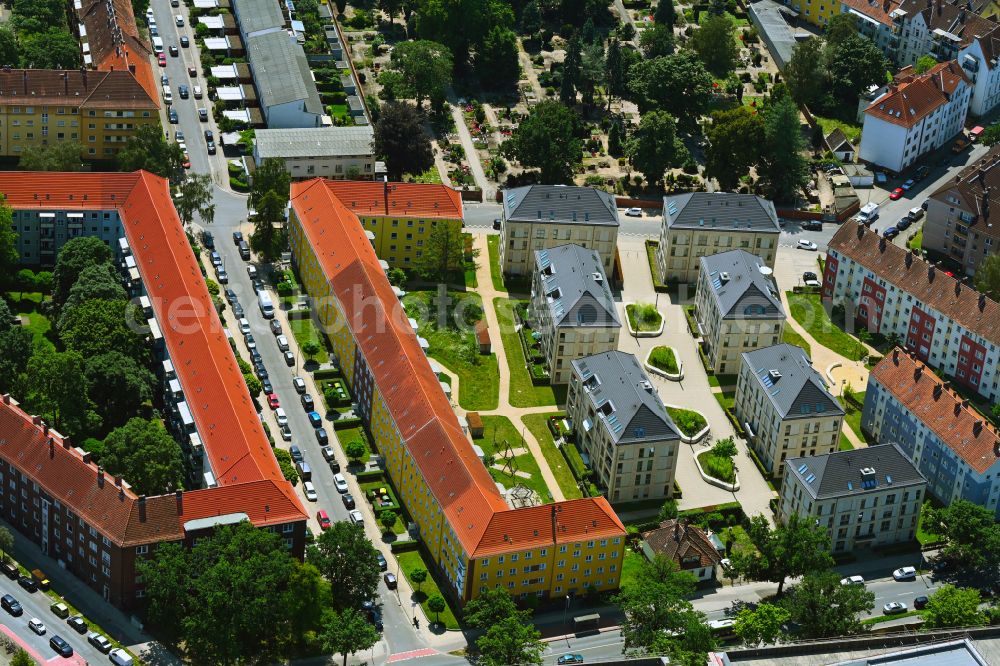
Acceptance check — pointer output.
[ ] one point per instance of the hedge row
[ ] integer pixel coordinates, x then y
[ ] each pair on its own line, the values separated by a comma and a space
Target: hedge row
692, 324
370, 476
404, 546
345, 424
326, 373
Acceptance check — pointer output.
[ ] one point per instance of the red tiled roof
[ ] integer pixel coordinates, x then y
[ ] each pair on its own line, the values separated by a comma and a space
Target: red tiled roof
678, 541
563, 522
928, 285
225, 417
422, 413
960, 427
878, 11
366, 197
115, 42
87, 89
913, 96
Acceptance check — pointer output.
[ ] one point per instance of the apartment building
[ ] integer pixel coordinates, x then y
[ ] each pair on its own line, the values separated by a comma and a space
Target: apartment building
953, 446
96, 525
959, 219
700, 224
948, 30
785, 407
915, 114
474, 539
816, 12
401, 217
891, 291
737, 308
111, 41
623, 427
572, 312
98, 109
865, 498
337, 153
536, 217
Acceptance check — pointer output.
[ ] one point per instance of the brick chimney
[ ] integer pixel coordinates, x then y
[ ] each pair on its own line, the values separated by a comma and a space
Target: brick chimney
100, 476
142, 508
909, 259
938, 389
179, 494
930, 274
895, 356
982, 306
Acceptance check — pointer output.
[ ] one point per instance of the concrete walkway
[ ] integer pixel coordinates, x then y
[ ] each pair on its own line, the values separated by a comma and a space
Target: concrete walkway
471, 154
694, 392
529, 72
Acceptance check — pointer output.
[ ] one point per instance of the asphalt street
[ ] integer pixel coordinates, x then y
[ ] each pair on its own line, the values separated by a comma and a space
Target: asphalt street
36, 605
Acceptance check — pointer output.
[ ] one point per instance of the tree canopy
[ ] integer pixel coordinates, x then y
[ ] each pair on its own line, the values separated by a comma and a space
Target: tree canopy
9, 254
988, 276
76, 255
57, 389
678, 84
98, 326
735, 138
195, 194
715, 44
823, 608
762, 624
426, 67
784, 169
348, 632
146, 455
787, 550
118, 386
400, 140
654, 146
952, 606
347, 559
148, 149
58, 156
547, 140
444, 252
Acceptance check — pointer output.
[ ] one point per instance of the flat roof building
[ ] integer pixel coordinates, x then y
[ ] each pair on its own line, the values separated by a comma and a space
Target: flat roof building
319, 152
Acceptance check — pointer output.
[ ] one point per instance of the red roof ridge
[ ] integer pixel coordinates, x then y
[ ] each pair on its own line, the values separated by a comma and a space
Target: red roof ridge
429, 200
964, 430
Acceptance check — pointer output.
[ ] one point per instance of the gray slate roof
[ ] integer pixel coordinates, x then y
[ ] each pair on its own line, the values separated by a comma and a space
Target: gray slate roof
617, 378
839, 474
281, 71
576, 288
740, 289
257, 15
797, 387
720, 211
560, 204
314, 142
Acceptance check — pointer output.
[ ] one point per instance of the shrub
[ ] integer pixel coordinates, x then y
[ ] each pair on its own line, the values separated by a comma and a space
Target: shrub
284, 459
689, 422
643, 316
664, 359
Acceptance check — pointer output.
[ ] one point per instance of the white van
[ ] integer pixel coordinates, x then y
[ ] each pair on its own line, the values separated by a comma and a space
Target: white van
168, 96
157, 44
120, 657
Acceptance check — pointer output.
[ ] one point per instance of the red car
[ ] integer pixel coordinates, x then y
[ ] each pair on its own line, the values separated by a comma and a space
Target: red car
324, 520
162, 59
896, 193
272, 401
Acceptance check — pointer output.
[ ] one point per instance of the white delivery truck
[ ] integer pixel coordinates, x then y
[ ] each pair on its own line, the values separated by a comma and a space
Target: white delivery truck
868, 213
266, 306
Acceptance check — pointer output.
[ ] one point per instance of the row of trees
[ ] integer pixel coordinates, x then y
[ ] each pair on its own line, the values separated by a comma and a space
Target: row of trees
38, 36
239, 596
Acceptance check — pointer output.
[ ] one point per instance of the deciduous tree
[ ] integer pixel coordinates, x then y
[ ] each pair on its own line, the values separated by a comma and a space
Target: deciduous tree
510, 641
270, 176
491, 607
15, 351
98, 326
401, 141
665, 14
547, 140
54, 48
806, 74
426, 67
355, 450
195, 194
497, 59
855, 65
348, 632
58, 390
437, 605
59, 156
715, 43
148, 149
6, 543
952, 606
824, 608
966, 527
9, 254
784, 169
761, 625
118, 386
266, 238
347, 559
418, 576
787, 550
146, 455
988, 273
924, 63
735, 138
76, 255
9, 54
678, 84
657, 40
654, 147
444, 252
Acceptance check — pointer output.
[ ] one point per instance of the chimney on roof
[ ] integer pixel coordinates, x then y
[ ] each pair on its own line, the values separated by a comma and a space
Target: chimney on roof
861, 231
45, 428
958, 287
554, 528
87, 457
6, 398
909, 259
385, 195
100, 476
881, 245
930, 274
66, 443
677, 531
24, 78
977, 427
179, 494
958, 408
118, 480
37, 420
142, 508
982, 306
938, 389
52, 448
895, 355
919, 370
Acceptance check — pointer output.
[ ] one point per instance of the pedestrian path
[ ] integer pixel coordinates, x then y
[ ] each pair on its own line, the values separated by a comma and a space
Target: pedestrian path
471, 154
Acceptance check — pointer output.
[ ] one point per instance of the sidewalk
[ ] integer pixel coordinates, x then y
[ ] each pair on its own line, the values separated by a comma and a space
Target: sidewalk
471, 154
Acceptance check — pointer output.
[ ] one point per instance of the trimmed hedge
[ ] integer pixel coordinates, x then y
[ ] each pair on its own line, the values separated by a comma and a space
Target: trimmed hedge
404, 546
371, 476
326, 373
346, 424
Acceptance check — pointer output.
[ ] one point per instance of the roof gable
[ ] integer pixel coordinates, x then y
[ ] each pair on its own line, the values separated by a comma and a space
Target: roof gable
575, 287
791, 383
715, 211
560, 204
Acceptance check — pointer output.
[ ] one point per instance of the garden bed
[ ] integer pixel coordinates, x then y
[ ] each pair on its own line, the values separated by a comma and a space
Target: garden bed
412, 560
644, 321
692, 425
654, 269
717, 470
663, 361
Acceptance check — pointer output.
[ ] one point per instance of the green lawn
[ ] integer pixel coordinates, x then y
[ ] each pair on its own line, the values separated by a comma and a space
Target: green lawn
453, 343
689, 422
808, 311
851, 130
917, 242
522, 392
493, 246
718, 467
879, 619
39, 325
304, 330
630, 566
654, 269
845, 444
645, 314
413, 560
852, 416
538, 425
348, 435
726, 399
497, 430
432, 176
793, 338
664, 359
924, 535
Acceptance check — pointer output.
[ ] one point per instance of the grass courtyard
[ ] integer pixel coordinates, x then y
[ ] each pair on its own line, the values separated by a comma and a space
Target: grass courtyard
793, 338
497, 430
538, 426
808, 311
452, 341
522, 392
493, 247
410, 561
28, 305
305, 331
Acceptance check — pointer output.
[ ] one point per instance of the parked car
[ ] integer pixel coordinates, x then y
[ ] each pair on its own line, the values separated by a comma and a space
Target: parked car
244, 325
324, 520
382, 564
496, 224
266, 385
286, 433
328, 454
78, 624
890, 233
100, 642
307, 402
570, 659
193, 72
894, 608
252, 272
298, 383
390, 579
28, 583
237, 237
852, 580
340, 482
173, 51
310, 491
904, 223
59, 644
315, 420
896, 193
10, 570
915, 213
172, 114
921, 173
238, 310
905, 573
222, 276
920, 602
633, 212
322, 437
809, 279
806, 245
289, 359
258, 367
185, 42
275, 326
348, 501
184, 91
356, 517
812, 225
203, 115
36, 626
161, 59
280, 415
210, 147
197, 92
11, 605
296, 453
282, 342
908, 185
